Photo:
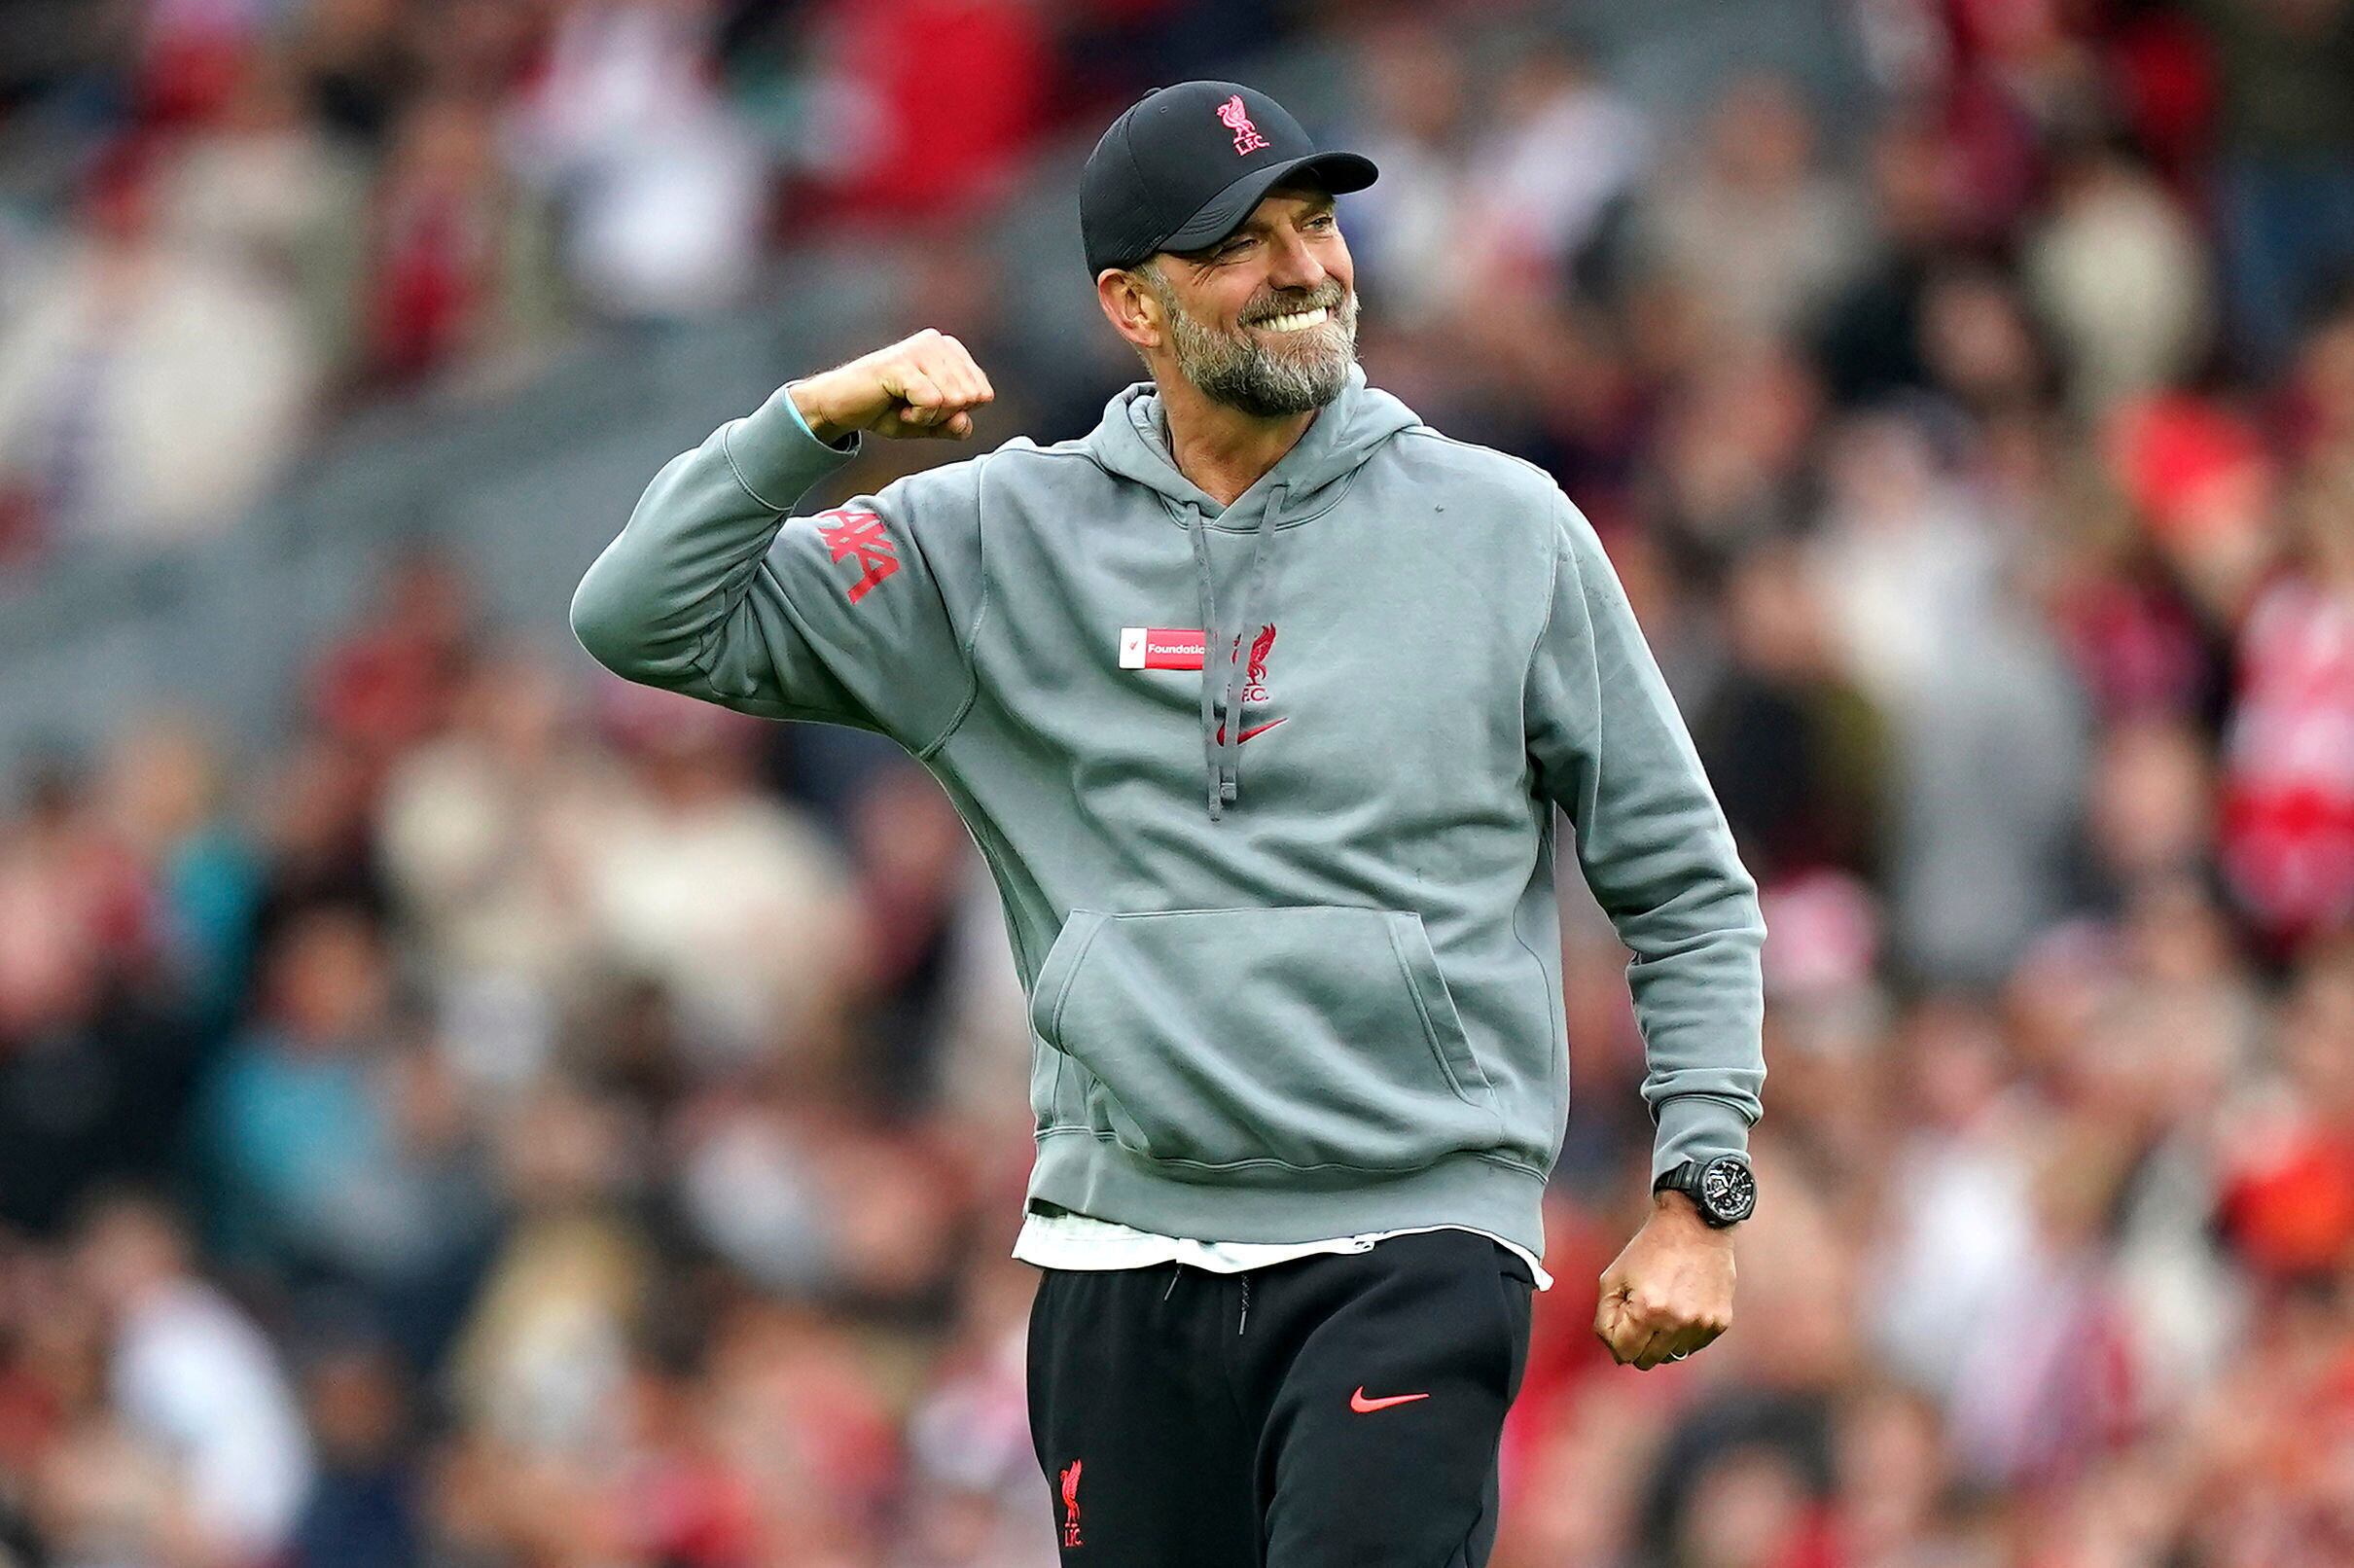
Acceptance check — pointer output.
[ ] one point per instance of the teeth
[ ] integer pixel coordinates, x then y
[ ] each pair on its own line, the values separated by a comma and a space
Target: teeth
1297, 321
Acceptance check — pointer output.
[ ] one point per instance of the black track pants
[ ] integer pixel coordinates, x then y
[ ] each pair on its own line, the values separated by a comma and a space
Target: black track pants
1269, 1420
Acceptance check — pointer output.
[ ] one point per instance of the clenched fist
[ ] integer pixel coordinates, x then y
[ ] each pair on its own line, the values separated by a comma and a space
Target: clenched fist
1670, 1291
919, 387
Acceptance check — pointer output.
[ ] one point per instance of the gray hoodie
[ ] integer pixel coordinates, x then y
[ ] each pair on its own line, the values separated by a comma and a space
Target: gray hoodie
1286, 917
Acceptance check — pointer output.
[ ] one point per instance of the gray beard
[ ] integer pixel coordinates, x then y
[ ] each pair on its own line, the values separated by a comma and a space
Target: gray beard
1234, 368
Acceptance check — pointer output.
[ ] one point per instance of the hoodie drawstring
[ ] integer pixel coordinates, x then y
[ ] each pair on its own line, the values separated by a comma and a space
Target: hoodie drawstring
1207, 593
1221, 681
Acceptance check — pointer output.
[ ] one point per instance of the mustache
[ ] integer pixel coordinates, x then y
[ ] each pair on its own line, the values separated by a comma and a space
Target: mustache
1328, 298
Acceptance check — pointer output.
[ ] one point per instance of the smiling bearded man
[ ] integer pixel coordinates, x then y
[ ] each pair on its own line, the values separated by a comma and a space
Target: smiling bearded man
1298, 1067
1304, 369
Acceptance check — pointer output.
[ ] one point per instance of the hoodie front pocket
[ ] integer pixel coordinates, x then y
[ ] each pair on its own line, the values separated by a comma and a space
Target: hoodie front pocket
1266, 1039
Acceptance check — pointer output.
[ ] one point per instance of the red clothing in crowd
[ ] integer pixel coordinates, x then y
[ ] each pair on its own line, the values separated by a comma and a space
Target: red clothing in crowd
947, 95
2288, 826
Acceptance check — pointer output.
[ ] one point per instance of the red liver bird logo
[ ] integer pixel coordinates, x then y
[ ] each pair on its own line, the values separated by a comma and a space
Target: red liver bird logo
1253, 681
1070, 1504
1236, 119
1255, 673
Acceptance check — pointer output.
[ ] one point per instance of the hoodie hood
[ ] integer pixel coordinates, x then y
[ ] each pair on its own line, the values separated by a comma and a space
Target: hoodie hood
1133, 443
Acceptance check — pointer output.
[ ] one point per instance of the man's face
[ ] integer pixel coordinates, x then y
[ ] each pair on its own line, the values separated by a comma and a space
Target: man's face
1265, 320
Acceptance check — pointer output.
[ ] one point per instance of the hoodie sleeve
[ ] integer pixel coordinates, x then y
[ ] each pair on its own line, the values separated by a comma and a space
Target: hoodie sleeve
714, 590
1612, 751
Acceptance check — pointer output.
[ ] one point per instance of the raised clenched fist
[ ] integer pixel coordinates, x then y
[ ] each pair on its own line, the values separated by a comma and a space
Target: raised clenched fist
924, 385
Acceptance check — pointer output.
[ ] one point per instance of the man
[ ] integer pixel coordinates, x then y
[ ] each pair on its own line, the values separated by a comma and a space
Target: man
1300, 1070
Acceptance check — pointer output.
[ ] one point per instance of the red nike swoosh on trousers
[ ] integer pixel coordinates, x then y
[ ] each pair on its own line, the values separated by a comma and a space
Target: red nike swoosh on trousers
1359, 1403
1254, 730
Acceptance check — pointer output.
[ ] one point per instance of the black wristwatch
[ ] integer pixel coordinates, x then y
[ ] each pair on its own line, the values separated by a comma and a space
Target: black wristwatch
1724, 1189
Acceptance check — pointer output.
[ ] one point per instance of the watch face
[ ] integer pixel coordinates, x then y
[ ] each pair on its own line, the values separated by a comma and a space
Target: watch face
1728, 1190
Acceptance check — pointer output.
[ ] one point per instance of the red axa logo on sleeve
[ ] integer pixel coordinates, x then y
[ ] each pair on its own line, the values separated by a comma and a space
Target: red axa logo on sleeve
1070, 1504
1236, 119
851, 534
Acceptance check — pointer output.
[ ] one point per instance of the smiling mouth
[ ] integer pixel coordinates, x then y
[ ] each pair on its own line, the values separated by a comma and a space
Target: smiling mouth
1296, 321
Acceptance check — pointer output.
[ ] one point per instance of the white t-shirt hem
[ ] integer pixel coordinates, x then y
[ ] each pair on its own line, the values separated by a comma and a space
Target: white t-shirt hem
1084, 1242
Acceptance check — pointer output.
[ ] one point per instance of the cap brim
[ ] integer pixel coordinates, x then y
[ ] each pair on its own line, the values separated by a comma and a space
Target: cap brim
1223, 213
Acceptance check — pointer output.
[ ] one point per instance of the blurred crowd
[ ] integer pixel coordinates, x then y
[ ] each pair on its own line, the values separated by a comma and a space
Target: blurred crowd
520, 1120
224, 222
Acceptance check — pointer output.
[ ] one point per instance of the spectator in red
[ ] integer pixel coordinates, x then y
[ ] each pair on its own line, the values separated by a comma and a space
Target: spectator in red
391, 681
460, 261
2287, 1204
924, 106
2288, 835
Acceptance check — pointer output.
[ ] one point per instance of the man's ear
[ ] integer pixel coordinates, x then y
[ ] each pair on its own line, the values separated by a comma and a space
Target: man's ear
1130, 307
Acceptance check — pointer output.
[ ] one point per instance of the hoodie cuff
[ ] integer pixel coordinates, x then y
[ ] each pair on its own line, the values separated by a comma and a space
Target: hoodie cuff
775, 455
1697, 1127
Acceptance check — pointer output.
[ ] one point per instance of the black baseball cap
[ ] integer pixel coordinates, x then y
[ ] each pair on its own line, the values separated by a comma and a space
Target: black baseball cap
1185, 166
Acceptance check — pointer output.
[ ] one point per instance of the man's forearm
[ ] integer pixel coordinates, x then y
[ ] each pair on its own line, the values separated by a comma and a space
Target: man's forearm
666, 586
1656, 849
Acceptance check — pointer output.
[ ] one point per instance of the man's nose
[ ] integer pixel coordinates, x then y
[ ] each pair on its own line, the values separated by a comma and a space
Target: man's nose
1292, 265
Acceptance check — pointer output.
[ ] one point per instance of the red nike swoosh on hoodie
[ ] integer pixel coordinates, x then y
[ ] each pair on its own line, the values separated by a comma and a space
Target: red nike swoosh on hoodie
1254, 730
